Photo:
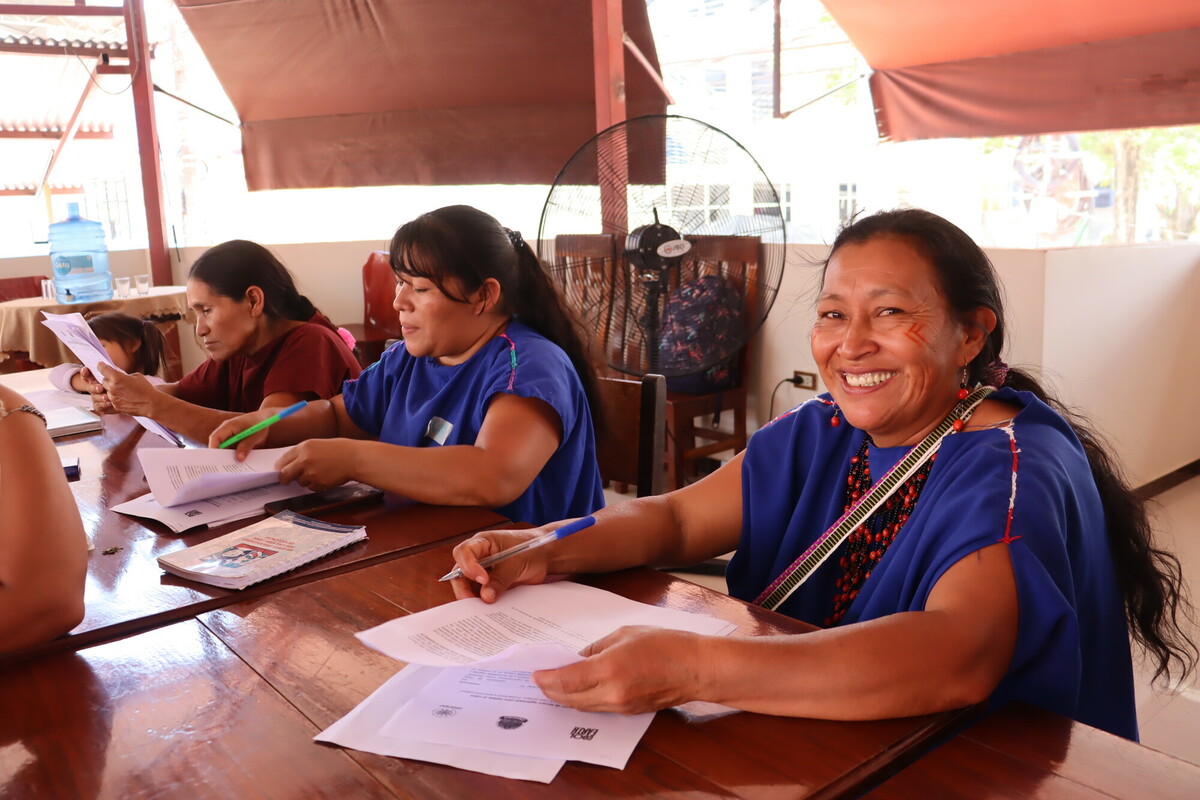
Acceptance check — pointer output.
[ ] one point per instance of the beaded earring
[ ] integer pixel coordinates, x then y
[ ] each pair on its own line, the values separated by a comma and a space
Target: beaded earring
963, 392
835, 420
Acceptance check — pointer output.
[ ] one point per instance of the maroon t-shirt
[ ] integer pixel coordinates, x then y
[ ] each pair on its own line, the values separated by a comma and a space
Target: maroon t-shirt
308, 358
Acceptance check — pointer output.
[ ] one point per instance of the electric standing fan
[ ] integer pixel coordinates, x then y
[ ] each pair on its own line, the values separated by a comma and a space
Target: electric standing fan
668, 239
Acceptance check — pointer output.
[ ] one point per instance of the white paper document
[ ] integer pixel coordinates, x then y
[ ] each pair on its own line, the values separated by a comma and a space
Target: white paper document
185, 476
466, 631
476, 691
47, 400
490, 706
360, 729
73, 331
212, 510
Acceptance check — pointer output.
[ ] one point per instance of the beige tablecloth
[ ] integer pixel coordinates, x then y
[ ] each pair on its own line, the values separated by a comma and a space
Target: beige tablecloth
21, 329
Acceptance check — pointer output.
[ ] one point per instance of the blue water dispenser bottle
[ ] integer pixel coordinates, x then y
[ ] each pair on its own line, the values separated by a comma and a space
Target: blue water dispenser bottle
80, 259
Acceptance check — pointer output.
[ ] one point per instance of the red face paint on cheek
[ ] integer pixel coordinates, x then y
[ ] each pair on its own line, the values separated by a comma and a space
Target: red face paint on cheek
916, 332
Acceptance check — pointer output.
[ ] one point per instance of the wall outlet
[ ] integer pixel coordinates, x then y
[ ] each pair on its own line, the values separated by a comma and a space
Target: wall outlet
805, 380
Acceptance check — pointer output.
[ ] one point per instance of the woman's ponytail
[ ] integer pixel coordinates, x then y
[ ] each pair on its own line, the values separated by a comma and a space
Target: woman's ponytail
539, 304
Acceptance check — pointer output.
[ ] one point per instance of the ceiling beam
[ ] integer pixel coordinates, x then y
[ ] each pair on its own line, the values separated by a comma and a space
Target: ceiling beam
69, 130
62, 47
77, 10
53, 132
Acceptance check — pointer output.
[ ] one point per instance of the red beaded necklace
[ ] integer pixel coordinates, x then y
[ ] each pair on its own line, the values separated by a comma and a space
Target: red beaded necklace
868, 542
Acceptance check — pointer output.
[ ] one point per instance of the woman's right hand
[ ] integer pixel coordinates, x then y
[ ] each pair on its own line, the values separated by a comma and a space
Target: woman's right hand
236, 425
125, 393
489, 585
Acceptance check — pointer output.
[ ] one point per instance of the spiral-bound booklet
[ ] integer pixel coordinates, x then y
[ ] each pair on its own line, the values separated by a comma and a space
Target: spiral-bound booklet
260, 551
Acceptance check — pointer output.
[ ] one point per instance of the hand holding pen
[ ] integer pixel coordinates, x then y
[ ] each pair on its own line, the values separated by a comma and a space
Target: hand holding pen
525, 546
222, 443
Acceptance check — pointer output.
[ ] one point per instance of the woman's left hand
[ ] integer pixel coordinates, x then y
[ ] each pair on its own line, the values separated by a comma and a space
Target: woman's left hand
633, 670
318, 464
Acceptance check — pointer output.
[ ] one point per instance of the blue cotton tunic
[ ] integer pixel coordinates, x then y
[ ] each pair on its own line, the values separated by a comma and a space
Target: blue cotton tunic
1072, 654
418, 402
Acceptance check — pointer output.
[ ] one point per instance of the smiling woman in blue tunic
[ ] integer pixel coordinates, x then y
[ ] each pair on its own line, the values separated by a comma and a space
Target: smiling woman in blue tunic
956, 536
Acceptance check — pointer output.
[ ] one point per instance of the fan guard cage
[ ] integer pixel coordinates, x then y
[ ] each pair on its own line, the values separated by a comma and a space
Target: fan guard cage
702, 185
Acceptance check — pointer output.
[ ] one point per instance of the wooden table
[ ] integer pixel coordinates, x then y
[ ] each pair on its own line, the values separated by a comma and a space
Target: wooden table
226, 705
1027, 753
21, 330
126, 589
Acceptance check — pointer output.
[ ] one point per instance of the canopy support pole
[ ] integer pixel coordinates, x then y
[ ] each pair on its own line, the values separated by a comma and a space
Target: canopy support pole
147, 134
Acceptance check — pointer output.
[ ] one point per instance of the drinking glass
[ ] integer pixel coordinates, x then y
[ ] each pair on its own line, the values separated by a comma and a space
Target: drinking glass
122, 286
47, 289
143, 284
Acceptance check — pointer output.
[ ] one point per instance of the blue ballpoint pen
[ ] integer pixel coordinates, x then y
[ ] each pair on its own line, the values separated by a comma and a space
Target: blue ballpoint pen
258, 426
529, 544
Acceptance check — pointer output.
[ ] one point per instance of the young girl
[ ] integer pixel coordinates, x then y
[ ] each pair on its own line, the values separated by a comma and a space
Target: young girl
268, 347
487, 401
134, 345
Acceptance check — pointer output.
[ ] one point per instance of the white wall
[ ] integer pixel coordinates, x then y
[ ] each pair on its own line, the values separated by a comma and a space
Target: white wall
1112, 329
1122, 327
782, 344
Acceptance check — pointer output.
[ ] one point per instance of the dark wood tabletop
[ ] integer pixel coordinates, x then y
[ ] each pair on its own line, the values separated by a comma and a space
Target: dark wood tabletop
169, 713
302, 642
1027, 753
227, 704
126, 589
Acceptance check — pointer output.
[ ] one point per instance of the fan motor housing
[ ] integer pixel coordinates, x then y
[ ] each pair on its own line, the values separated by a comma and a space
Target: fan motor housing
655, 247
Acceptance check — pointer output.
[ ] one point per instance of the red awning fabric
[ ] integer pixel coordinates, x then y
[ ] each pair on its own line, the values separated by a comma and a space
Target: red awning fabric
1015, 67
395, 92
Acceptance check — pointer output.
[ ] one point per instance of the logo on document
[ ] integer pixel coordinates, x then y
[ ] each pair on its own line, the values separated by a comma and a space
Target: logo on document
445, 711
511, 723
586, 734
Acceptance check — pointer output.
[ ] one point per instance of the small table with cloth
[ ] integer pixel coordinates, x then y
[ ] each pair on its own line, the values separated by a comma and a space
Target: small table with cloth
22, 331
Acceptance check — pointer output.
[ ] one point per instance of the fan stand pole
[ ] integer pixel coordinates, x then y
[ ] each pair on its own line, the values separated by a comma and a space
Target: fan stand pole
655, 284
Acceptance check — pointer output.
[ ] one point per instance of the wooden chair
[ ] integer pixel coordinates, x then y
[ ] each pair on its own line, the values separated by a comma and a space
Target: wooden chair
23, 286
15, 289
632, 452
587, 265
380, 323
736, 257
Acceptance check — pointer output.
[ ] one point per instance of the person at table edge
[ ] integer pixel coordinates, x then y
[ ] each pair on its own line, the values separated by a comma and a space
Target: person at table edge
489, 399
43, 548
268, 347
1014, 565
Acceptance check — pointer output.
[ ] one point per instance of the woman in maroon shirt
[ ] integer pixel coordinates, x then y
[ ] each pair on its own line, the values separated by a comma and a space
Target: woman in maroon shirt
268, 347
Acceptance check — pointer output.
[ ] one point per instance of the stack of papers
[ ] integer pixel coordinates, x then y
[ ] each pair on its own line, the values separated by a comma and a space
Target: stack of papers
195, 487
66, 420
467, 699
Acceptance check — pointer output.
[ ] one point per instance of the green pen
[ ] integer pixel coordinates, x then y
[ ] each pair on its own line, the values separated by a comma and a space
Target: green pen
258, 426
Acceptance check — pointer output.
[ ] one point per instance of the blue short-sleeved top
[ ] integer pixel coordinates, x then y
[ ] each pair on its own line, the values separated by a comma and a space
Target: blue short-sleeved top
418, 402
1072, 654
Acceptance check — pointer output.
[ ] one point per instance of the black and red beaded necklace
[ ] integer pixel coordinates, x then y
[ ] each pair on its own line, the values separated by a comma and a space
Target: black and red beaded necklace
868, 542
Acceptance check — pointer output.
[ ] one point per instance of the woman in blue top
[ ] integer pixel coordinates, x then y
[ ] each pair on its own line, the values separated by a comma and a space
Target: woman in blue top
487, 401
1013, 563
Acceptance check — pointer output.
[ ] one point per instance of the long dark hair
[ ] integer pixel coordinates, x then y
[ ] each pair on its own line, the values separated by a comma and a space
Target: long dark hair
463, 245
128, 331
232, 267
1150, 578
